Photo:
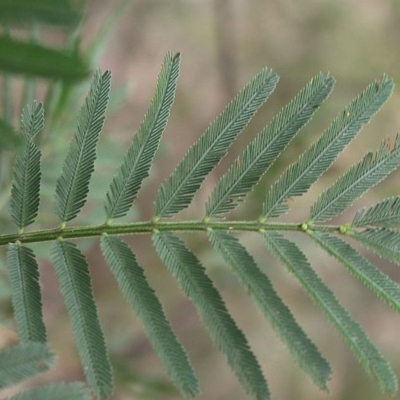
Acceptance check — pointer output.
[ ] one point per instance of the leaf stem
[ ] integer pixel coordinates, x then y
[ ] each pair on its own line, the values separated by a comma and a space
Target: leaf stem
75, 232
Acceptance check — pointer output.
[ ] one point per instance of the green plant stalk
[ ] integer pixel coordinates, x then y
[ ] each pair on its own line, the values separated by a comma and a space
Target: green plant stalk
77, 232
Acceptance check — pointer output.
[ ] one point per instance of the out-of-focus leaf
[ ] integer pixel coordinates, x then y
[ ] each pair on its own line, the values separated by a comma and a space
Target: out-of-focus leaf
8, 136
33, 59
56, 12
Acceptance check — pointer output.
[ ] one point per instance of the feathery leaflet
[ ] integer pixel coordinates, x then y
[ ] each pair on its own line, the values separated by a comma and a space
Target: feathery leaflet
76, 287
190, 274
384, 214
73, 184
177, 192
372, 169
23, 272
25, 189
136, 165
141, 296
298, 178
260, 288
259, 155
366, 353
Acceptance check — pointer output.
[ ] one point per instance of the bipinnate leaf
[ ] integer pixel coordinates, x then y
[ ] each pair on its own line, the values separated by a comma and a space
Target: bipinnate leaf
177, 192
384, 214
23, 361
190, 274
377, 227
76, 287
373, 278
382, 241
73, 185
298, 177
360, 178
142, 298
259, 155
261, 290
23, 273
366, 353
136, 164
55, 391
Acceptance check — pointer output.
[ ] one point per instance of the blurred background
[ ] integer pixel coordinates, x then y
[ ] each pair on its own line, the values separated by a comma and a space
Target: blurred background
223, 43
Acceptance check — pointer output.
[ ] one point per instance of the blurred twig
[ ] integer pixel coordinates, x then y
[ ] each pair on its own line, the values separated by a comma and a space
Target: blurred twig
225, 26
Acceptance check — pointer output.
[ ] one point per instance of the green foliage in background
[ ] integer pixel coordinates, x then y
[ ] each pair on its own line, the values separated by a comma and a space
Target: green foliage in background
375, 227
27, 360
63, 70
34, 59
